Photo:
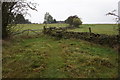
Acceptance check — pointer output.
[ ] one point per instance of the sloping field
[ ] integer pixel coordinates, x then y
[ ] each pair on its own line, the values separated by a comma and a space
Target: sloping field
46, 57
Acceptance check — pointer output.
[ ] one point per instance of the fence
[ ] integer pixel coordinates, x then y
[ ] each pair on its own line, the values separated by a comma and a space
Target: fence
101, 39
62, 32
28, 31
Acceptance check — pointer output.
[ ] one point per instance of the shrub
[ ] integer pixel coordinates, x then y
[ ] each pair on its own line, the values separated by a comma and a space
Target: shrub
77, 22
73, 21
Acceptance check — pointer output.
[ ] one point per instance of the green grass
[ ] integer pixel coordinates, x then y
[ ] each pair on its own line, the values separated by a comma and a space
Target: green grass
21, 27
109, 29
39, 26
47, 57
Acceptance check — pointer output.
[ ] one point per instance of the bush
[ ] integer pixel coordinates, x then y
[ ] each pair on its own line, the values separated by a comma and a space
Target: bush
73, 21
77, 22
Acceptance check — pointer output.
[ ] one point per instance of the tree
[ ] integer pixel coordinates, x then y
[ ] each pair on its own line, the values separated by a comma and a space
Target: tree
73, 21
7, 18
48, 18
21, 20
54, 21
27, 21
117, 19
9, 12
76, 22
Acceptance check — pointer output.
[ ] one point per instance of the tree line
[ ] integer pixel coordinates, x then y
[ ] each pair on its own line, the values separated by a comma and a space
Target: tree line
73, 21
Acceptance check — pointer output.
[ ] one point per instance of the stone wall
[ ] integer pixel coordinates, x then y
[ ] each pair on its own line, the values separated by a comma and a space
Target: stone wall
101, 39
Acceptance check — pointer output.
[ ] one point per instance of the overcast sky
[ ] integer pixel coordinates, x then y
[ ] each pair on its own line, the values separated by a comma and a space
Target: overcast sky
90, 11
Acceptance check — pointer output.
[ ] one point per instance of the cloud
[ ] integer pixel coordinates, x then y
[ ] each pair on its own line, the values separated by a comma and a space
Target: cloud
90, 11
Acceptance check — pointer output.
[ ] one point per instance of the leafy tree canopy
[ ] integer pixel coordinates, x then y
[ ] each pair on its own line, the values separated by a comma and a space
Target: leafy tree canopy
73, 21
49, 19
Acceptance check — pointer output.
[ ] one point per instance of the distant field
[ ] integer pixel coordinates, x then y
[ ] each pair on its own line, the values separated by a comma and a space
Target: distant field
109, 29
39, 26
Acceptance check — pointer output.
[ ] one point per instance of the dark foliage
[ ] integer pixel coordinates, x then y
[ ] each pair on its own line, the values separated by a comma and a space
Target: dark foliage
73, 21
7, 17
12, 13
21, 20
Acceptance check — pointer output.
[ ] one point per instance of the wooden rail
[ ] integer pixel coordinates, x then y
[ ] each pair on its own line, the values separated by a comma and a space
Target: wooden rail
28, 30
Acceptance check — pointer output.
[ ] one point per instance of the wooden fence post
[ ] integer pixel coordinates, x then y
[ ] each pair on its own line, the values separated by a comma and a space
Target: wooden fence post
44, 29
28, 32
90, 30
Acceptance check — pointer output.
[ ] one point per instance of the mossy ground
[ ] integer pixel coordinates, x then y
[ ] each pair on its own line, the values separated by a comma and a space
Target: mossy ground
48, 57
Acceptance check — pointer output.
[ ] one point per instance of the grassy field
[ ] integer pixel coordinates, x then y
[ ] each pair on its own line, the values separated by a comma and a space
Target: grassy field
109, 29
42, 56
21, 27
39, 26
47, 57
